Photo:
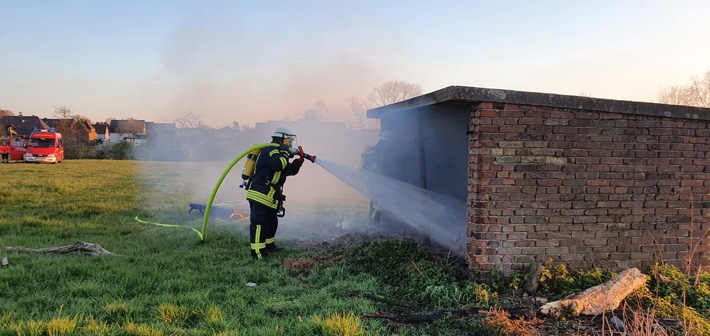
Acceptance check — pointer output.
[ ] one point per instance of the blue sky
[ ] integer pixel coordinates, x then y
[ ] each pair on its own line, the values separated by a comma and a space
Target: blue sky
250, 61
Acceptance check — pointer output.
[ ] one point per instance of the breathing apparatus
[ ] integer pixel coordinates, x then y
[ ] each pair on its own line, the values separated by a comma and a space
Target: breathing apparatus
287, 141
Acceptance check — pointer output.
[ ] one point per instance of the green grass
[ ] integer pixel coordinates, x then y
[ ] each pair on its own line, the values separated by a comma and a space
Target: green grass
166, 281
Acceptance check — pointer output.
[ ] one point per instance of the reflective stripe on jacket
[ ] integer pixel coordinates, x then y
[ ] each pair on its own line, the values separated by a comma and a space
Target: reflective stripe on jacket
270, 172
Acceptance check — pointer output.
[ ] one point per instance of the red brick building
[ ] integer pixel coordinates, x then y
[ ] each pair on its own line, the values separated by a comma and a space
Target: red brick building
584, 181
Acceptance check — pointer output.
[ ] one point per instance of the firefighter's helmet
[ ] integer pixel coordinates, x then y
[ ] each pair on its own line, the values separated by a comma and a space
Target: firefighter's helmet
284, 135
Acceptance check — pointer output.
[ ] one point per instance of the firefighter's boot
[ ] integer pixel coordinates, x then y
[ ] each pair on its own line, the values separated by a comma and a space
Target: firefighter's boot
272, 248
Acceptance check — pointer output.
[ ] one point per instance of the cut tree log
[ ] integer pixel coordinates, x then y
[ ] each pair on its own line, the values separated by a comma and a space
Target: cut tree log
91, 248
598, 299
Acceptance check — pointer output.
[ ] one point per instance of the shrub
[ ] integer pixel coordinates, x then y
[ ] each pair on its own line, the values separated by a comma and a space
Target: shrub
671, 283
557, 281
122, 150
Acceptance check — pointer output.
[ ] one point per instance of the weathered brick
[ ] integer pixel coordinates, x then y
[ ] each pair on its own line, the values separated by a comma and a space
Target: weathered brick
560, 250
547, 243
605, 248
637, 176
595, 241
606, 234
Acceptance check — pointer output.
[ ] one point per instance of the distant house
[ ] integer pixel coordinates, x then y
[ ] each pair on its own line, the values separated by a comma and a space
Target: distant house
102, 133
23, 125
132, 130
77, 129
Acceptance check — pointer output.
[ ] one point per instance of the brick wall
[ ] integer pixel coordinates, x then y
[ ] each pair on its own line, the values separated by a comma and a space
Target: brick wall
586, 188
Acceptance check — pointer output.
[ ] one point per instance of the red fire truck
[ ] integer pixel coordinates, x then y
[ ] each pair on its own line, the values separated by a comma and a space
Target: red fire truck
44, 146
17, 148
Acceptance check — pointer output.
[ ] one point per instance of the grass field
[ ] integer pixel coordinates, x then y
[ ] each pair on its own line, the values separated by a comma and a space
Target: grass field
166, 281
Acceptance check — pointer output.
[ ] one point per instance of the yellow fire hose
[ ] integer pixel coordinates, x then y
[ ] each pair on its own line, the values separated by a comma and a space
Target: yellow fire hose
208, 206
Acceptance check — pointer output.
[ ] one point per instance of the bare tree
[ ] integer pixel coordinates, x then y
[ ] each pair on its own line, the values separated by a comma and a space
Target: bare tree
67, 124
697, 93
316, 112
387, 93
700, 89
75, 129
393, 91
189, 120
359, 107
63, 112
6, 112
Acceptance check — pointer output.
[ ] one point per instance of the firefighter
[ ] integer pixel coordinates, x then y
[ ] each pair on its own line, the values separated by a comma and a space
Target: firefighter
265, 190
371, 159
5, 151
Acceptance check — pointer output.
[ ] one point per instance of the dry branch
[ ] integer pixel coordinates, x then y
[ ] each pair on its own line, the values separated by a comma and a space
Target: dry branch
421, 318
380, 298
91, 248
598, 299
429, 316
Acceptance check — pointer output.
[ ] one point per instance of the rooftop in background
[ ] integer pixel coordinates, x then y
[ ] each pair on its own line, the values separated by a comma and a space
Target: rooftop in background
462, 95
24, 125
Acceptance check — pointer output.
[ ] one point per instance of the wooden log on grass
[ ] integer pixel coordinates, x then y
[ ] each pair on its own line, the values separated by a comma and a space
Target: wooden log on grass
80, 246
598, 299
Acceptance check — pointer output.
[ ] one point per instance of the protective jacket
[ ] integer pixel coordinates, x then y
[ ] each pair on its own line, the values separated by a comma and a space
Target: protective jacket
270, 172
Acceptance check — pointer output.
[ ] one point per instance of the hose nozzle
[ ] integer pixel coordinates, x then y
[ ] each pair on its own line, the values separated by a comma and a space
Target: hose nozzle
308, 157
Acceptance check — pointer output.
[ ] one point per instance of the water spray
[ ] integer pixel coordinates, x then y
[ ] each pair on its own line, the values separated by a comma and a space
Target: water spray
441, 217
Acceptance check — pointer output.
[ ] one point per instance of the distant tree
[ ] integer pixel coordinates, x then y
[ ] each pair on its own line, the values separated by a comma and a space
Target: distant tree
63, 112
697, 93
75, 131
121, 150
316, 112
387, 93
359, 107
189, 119
392, 92
203, 125
6, 112
312, 115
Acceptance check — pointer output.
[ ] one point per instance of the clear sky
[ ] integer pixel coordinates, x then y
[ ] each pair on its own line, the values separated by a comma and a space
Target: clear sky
250, 61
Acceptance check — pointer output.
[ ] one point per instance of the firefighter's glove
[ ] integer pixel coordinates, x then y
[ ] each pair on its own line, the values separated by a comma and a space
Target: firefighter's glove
297, 162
